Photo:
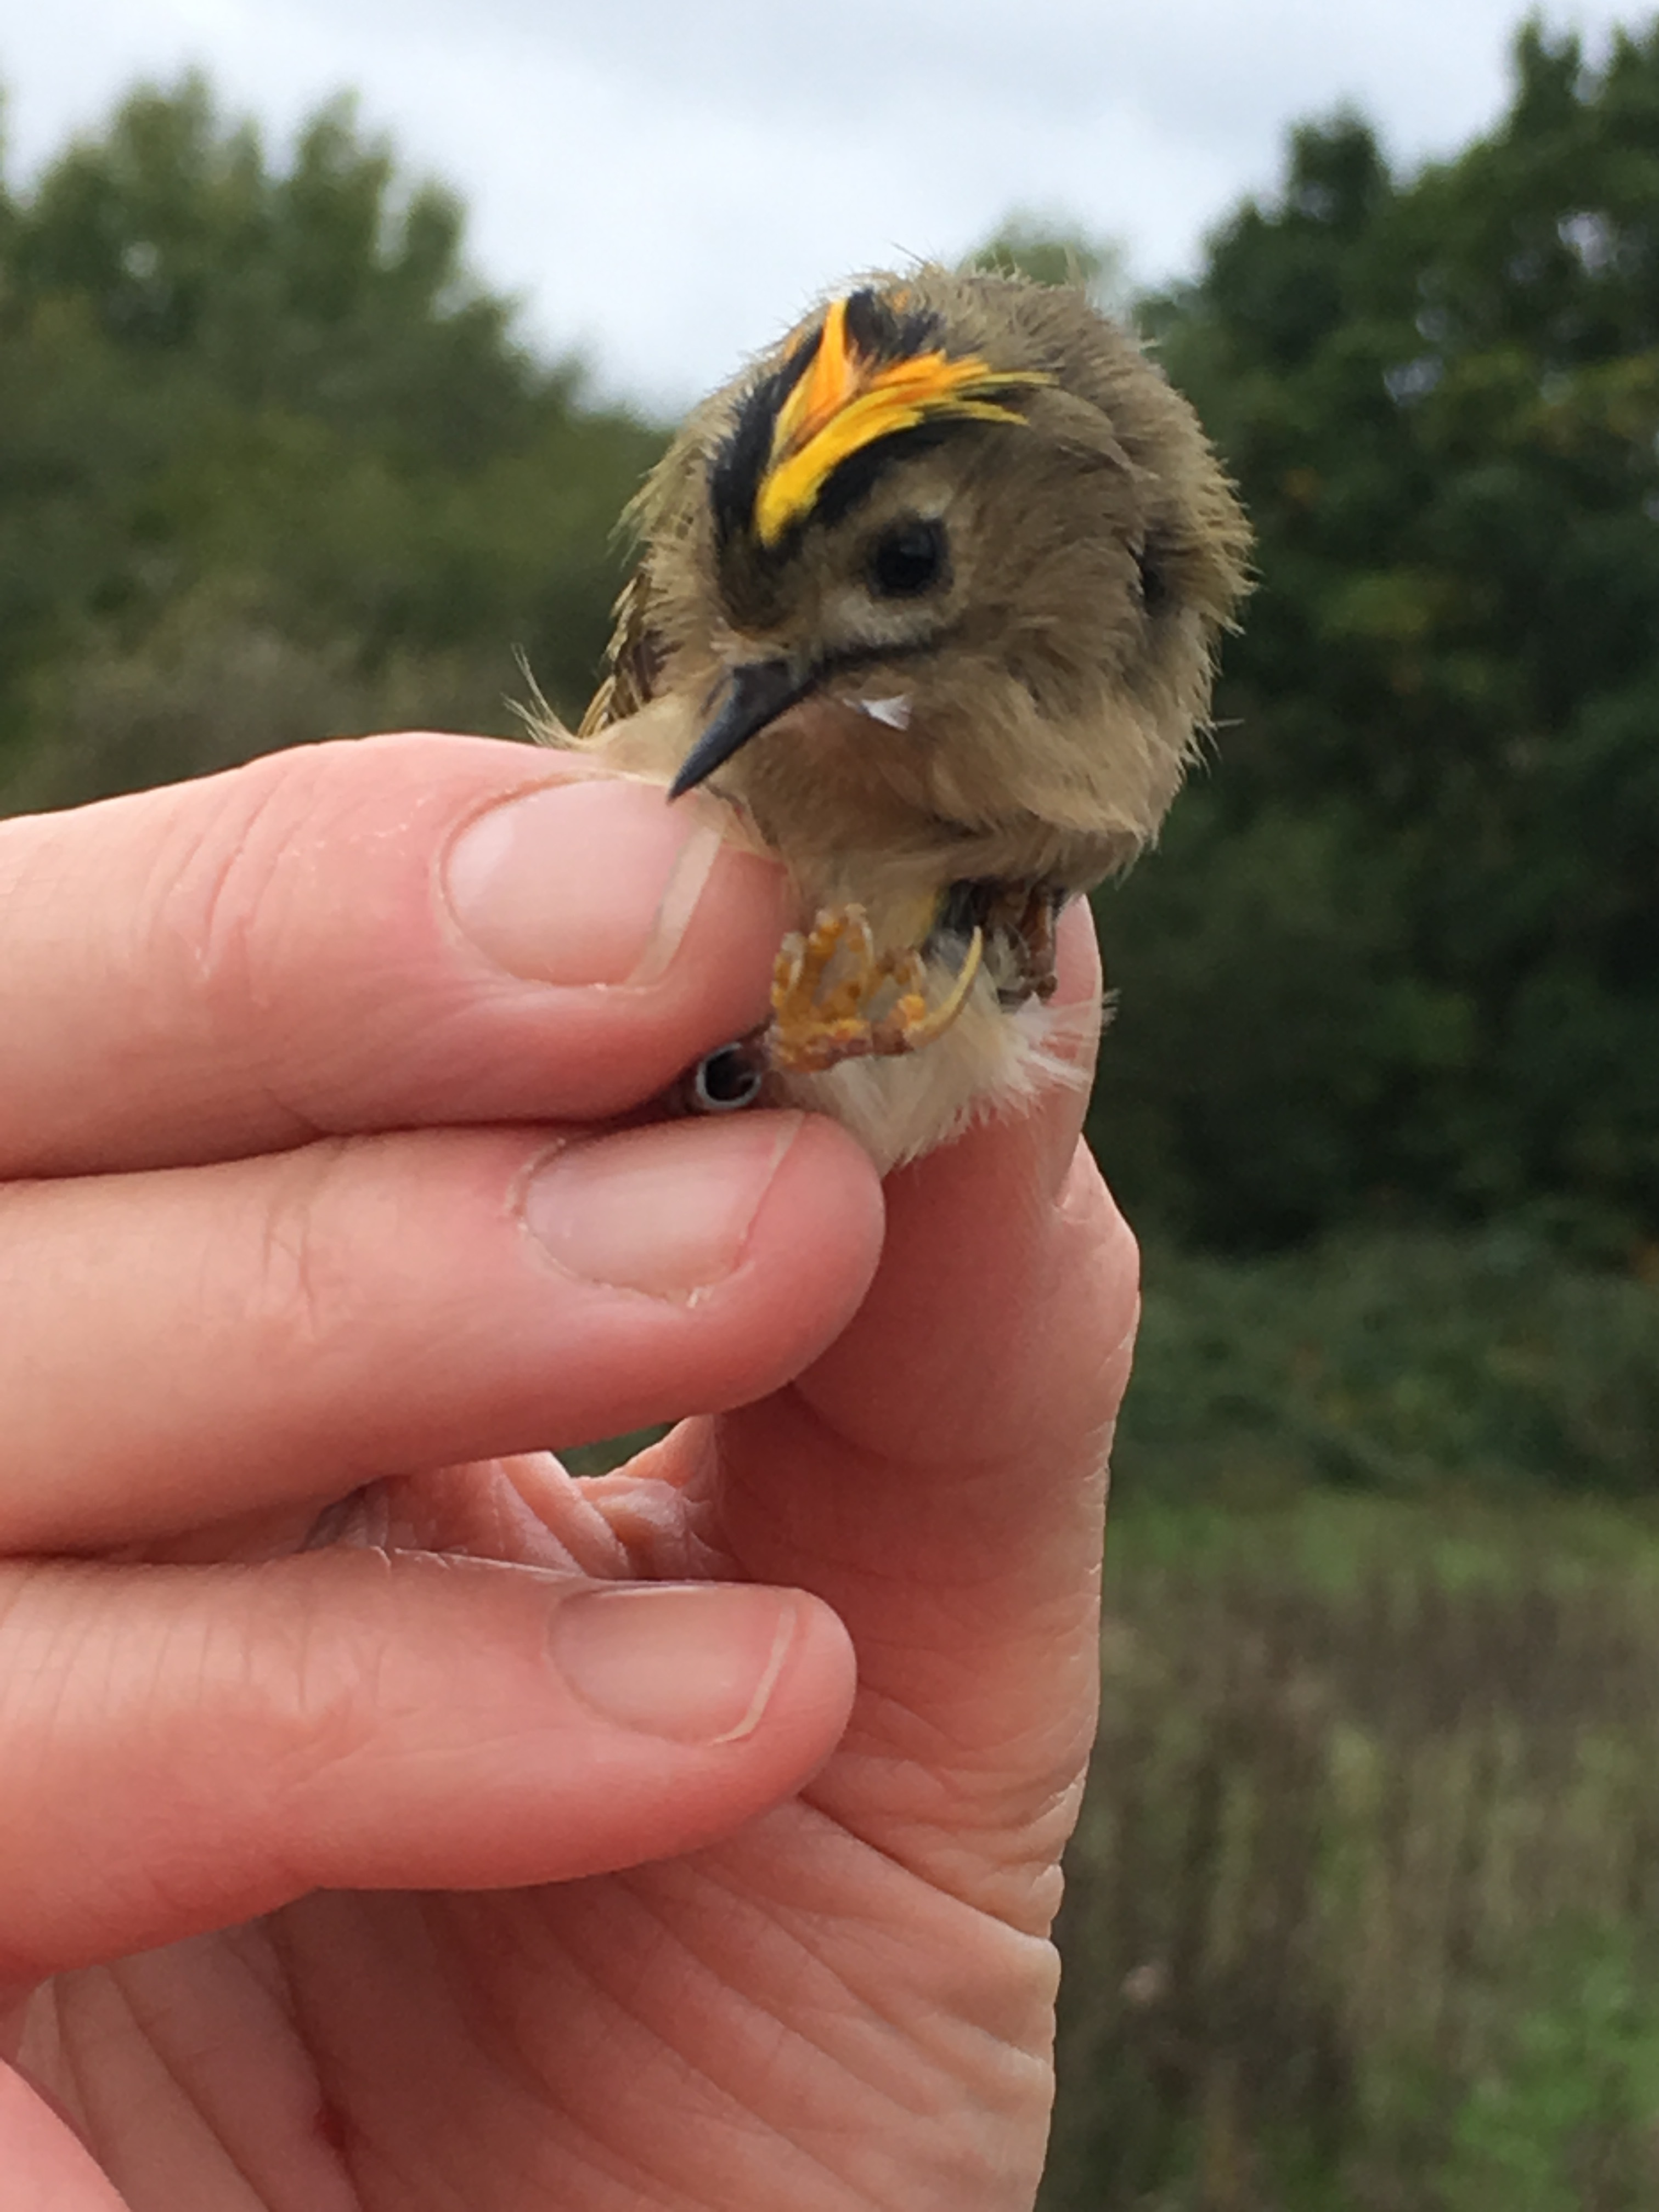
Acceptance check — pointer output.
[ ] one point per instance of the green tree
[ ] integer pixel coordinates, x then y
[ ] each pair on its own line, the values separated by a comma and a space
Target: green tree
1051, 250
271, 462
1401, 949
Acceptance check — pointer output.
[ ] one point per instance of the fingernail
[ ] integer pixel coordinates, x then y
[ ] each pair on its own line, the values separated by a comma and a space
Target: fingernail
694, 1663
583, 883
666, 1209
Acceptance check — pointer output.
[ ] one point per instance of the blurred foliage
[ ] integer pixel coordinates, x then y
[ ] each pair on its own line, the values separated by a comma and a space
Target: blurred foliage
1049, 250
1399, 952
272, 466
1383, 1362
1359, 1917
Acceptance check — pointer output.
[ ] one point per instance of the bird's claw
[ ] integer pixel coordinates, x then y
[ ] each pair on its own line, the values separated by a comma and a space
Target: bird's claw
836, 998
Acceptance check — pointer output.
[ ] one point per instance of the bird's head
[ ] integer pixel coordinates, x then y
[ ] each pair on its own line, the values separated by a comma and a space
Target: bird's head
971, 509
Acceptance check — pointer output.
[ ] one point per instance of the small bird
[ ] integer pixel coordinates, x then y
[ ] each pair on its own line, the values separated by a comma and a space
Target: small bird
931, 593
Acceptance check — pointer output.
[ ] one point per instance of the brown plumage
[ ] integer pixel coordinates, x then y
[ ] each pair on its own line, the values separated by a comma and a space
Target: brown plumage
932, 593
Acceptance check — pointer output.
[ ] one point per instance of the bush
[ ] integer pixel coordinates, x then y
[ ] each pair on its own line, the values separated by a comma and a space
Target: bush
1401, 1363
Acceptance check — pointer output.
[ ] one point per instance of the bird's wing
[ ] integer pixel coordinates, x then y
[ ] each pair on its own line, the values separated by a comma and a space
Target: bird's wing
633, 659
658, 513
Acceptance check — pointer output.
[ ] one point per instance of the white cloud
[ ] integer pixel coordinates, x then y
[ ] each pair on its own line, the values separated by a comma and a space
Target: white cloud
666, 185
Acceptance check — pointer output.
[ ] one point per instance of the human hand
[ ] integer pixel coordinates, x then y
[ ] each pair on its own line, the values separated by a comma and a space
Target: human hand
426, 1866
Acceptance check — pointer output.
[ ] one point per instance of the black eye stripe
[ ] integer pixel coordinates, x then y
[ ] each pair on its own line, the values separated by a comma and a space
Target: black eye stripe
908, 559
853, 479
740, 459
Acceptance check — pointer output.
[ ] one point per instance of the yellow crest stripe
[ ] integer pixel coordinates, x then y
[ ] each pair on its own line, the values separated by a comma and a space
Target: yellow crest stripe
844, 401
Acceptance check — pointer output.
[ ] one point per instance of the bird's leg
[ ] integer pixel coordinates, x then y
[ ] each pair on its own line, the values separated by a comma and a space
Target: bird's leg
1031, 927
1018, 921
836, 998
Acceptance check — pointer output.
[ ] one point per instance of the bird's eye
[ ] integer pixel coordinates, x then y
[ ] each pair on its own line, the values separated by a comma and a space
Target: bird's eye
907, 559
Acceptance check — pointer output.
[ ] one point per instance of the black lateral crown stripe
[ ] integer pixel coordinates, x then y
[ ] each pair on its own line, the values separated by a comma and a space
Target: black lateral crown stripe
875, 328
734, 482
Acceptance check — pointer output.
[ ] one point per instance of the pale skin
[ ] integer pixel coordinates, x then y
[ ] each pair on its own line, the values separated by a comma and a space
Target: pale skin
388, 1823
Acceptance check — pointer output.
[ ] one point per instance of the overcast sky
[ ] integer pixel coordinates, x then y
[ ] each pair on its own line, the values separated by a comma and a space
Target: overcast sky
665, 182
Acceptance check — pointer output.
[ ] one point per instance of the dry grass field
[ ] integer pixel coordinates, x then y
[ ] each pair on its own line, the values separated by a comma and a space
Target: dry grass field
1364, 1910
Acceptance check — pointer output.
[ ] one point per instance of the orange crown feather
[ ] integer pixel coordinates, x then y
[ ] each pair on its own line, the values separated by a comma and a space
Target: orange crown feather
845, 400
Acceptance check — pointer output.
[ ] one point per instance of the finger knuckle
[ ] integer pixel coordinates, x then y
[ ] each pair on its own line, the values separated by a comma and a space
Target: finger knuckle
307, 1296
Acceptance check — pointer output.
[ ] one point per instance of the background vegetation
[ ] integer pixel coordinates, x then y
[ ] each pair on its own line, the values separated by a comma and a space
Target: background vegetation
1362, 1915
1401, 956
1361, 1909
272, 464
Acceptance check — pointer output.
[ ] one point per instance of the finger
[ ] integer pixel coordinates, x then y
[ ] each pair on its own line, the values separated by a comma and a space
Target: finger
387, 932
46, 2168
187, 1345
350, 1720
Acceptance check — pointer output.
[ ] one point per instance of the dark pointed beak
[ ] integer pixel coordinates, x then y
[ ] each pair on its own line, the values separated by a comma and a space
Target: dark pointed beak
756, 695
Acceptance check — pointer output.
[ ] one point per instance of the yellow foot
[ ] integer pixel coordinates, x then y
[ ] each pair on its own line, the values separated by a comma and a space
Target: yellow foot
836, 998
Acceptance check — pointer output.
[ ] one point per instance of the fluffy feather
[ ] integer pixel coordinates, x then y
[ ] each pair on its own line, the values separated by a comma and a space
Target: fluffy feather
995, 625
